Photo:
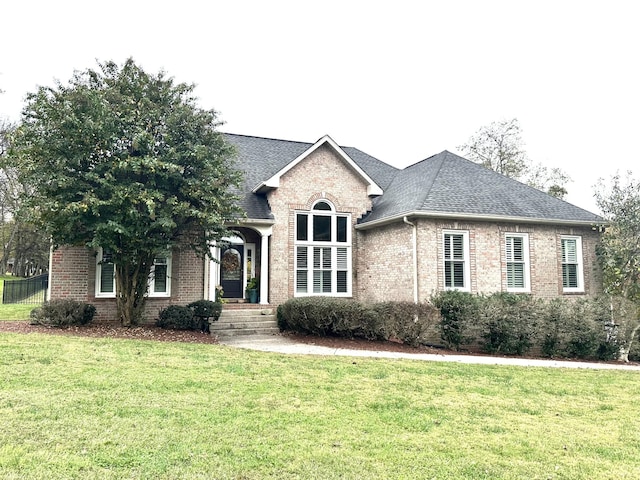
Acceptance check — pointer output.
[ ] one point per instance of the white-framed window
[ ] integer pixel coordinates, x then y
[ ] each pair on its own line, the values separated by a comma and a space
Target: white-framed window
322, 251
105, 274
159, 278
572, 272
457, 271
517, 262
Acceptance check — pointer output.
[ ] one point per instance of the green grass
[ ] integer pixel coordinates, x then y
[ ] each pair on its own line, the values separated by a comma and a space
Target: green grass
109, 409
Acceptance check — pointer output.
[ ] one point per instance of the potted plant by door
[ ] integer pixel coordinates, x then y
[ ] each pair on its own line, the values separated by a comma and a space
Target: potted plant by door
252, 289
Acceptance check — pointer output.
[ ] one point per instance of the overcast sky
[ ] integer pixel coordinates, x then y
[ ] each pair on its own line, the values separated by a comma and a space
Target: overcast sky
400, 80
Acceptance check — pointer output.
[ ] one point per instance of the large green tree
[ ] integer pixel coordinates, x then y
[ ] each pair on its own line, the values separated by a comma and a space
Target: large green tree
619, 251
499, 146
125, 160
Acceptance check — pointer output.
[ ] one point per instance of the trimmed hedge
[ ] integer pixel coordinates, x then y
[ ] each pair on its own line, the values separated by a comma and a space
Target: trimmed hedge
63, 313
503, 323
326, 316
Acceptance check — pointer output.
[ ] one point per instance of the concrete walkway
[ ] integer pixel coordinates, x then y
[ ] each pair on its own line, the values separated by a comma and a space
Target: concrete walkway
281, 344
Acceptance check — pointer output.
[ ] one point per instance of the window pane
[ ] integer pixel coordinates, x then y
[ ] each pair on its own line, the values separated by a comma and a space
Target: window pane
160, 278
322, 206
107, 271
570, 276
301, 257
458, 252
342, 281
342, 258
569, 250
342, 229
515, 275
453, 246
321, 228
454, 274
302, 228
458, 275
515, 249
301, 281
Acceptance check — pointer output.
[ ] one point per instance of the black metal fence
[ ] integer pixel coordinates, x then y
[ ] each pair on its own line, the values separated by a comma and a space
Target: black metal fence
27, 290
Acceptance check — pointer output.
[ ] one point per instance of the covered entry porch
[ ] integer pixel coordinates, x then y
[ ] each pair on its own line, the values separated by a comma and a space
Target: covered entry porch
243, 260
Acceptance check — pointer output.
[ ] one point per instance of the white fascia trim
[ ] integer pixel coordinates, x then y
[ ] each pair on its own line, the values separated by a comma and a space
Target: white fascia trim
468, 216
274, 181
255, 221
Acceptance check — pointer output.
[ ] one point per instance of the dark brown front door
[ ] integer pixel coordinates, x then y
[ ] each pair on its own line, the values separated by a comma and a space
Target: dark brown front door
231, 262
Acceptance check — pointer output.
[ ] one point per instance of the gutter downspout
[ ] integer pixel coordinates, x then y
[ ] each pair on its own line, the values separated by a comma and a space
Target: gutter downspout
415, 258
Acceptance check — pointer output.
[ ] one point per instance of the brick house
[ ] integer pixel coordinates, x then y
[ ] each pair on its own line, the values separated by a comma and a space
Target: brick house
322, 219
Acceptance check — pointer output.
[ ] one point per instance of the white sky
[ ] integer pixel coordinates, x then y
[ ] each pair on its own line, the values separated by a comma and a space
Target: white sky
400, 80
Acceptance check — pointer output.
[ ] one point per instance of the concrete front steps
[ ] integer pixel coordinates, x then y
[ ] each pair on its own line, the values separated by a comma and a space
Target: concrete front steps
245, 319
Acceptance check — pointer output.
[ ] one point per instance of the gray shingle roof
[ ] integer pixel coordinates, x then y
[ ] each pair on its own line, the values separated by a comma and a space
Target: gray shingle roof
449, 184
444, 184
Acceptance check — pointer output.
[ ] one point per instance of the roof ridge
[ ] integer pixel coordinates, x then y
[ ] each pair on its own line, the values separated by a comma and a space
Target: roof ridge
268, 138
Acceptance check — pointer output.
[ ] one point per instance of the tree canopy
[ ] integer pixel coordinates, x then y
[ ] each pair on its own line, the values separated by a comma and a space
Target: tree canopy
499, 146
125, 160
619, 248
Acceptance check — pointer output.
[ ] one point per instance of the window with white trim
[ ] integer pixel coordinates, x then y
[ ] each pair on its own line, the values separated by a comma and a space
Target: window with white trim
159, 278
571, 252
456, 260
517, 262
322, 251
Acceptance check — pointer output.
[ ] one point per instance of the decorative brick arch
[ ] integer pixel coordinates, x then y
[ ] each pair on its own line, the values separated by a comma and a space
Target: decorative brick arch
322, 196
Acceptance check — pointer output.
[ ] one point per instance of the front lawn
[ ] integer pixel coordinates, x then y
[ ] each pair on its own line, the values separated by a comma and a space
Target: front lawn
103, 408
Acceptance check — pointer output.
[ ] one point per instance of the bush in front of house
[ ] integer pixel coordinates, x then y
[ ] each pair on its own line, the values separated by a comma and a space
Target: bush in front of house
325, 316
458, 324
63, 313
508, 322
411, 323
580, 328
176, 317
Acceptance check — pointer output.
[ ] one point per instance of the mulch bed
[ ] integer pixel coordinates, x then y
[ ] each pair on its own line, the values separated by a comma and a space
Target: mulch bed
151, 332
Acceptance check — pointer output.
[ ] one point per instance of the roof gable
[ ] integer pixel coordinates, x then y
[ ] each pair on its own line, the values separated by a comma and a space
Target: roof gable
373, 188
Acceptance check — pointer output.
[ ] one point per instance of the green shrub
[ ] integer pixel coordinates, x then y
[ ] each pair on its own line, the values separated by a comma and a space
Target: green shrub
411, 323
579, 328
62, 313
176, 317
508, 322
327, 316
459, 311
206, 309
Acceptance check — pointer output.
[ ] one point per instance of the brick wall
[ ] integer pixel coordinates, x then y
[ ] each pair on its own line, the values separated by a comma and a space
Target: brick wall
321, 175
73, 275
385, 259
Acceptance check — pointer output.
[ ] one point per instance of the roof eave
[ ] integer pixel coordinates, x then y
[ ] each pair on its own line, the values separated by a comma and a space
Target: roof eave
468, 216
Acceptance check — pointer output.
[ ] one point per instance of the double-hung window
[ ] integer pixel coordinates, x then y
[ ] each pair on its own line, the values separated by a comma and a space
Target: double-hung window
456, 260
323, 251
571, 252
517, 262
159, 278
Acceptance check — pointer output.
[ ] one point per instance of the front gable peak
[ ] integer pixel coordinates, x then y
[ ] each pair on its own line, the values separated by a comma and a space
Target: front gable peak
273, 182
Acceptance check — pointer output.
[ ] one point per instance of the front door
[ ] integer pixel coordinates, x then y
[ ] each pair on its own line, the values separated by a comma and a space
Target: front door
231, 261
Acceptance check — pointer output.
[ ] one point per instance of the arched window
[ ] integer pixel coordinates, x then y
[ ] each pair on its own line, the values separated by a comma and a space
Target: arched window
323, 251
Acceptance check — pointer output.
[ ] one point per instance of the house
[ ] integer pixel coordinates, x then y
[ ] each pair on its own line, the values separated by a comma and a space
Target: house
322, 219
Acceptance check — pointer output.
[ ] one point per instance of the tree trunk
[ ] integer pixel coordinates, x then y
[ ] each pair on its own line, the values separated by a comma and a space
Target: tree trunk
623, 355
131, 290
